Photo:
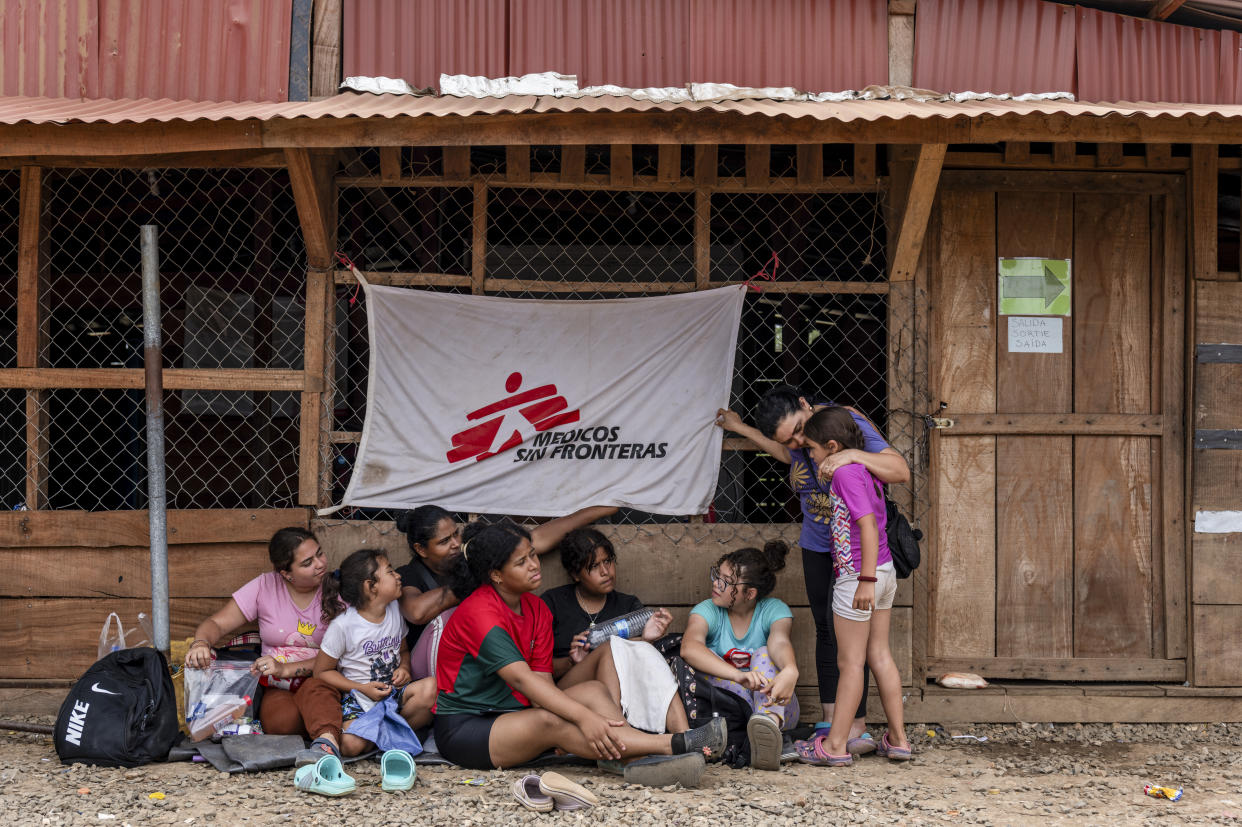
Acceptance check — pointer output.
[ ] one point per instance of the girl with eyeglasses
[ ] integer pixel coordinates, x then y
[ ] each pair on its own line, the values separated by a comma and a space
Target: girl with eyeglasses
739, 638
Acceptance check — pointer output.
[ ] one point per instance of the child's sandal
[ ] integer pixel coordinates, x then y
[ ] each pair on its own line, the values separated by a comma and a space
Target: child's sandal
892, 753
814, 751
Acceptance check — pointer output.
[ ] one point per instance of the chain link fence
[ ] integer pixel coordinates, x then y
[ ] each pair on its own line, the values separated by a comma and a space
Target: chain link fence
232, 296
233, 293
594, 242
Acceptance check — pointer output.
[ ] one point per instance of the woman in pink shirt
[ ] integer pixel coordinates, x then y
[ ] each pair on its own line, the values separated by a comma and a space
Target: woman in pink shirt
288, 603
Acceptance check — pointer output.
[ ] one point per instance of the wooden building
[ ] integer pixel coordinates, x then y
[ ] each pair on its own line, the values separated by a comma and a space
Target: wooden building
1061, 487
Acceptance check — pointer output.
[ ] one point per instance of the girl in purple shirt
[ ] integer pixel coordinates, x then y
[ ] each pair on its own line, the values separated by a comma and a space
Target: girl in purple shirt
862, 597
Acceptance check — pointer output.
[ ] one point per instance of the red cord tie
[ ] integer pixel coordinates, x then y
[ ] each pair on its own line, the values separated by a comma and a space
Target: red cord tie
353, 268
763, 274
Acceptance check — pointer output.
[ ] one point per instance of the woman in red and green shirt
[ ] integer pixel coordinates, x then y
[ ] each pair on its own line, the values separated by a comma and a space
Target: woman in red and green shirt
498, 705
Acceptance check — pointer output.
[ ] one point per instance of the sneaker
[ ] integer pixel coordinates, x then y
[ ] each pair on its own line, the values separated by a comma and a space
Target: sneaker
788, 751
765, 742
708, 740
317, 749
661, 770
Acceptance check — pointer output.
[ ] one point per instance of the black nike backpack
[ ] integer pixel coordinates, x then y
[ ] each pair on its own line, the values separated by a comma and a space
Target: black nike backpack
121, 713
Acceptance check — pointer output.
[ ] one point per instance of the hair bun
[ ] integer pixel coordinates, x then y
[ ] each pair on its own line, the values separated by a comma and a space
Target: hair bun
776, 551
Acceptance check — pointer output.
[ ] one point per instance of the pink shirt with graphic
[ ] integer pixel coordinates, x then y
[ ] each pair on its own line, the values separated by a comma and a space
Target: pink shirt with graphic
855, 494
288, 633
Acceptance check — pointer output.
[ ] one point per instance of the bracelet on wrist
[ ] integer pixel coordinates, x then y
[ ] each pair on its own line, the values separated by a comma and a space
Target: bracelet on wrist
197, 641
862, 578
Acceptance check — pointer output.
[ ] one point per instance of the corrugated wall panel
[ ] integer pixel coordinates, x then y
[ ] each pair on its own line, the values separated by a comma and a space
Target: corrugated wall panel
234, 50
50, 48
1230, 67
1015, 46
1124, 58
811, 45
635, 43
416, 40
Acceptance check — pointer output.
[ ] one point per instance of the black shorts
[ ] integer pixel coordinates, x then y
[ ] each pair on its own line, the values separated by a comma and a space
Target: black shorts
464, 739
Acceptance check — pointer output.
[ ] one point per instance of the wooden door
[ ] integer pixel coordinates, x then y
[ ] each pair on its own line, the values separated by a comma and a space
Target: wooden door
1058, 549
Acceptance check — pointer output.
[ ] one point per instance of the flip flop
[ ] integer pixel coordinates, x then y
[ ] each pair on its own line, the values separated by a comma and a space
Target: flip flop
892, 753
814, 751
566, 794
526, 791
765, 742
397, 770
325, 777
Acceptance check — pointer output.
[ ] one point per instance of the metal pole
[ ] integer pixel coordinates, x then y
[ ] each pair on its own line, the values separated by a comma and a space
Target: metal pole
156, 499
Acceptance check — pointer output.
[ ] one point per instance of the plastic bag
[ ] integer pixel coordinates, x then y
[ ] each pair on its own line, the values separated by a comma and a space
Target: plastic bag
219, 700
112, 636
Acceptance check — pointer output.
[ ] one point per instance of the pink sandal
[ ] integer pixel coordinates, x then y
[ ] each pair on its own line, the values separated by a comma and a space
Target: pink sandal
892, 753
814, 751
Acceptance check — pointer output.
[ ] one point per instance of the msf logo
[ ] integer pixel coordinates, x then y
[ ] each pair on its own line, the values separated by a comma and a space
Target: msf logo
520, 416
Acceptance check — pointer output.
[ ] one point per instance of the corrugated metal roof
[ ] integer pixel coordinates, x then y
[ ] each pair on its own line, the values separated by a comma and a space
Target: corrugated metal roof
635, 43
1015, 46
1129, 58
234, 50
416, 40
803, 43
51, 48
22, 110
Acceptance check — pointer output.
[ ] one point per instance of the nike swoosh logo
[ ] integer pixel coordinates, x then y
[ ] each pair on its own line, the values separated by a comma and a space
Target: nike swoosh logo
95, 688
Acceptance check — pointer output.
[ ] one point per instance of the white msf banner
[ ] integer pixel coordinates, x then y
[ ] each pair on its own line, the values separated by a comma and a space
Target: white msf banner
485, 404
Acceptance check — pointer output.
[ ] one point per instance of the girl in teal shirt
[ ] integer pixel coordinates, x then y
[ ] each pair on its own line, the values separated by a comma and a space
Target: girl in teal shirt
739, 638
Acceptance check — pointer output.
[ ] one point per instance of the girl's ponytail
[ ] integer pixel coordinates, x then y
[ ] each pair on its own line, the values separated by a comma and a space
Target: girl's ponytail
330, 596
775, 552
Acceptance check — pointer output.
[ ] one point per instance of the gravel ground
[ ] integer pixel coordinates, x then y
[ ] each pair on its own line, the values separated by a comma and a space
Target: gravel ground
1023, 774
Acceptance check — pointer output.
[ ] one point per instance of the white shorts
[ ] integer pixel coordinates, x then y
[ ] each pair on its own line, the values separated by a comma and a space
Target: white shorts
843, 593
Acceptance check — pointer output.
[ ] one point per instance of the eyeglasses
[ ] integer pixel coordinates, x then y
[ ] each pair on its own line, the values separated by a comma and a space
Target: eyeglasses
717, 577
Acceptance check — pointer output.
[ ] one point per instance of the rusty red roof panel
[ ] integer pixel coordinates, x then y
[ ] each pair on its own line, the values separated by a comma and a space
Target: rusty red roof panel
232, 50
1230, 67
1015, 46
51, 48
416, 40
23, 110
632, 43
1130, 58
807, 44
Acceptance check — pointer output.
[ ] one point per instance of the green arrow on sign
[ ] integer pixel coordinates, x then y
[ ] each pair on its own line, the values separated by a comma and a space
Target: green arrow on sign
1047, 287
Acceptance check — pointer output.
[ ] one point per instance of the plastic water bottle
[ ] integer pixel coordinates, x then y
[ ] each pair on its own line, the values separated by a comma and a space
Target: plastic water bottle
626, 626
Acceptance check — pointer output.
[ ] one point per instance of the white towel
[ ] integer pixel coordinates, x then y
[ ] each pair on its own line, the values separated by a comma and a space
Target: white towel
647, 684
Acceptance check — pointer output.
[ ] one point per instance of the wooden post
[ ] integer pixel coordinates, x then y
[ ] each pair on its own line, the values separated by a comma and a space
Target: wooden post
1203, 210
811, 164
864, 165
758, 165
457, 164
917, 209
901, 42
702, 238
705, 164
1017, 152
390, 163
668, 164
325, 48
573, 163
621, 165
32, 329
1064, 153
517, 164
478, 249
312, 178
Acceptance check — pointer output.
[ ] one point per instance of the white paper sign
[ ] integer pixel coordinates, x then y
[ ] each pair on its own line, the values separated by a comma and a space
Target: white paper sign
1034, 334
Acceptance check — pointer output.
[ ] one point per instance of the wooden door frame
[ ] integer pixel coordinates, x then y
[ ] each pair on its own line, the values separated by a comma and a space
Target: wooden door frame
1169, 354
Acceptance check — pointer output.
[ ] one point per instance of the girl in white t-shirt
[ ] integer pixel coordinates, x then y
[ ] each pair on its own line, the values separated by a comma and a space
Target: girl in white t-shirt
363, 651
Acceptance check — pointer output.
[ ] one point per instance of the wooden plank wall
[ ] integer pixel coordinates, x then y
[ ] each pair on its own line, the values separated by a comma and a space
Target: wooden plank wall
1216, 591
670, 571
68, 569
